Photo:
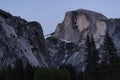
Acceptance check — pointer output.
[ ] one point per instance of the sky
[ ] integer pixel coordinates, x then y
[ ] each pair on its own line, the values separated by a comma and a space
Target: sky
51, 12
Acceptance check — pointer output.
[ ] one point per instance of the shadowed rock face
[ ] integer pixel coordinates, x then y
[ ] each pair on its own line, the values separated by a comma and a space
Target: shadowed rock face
114, 30
21, 39
78, 23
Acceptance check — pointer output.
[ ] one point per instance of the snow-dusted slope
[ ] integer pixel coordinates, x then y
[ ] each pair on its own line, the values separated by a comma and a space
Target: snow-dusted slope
23, 40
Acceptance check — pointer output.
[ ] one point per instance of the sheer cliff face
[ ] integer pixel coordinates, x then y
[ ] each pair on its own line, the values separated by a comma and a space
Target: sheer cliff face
78, 23
21, 39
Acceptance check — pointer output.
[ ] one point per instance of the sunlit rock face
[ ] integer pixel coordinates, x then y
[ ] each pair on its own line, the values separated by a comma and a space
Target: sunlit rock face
78, 23
23, 40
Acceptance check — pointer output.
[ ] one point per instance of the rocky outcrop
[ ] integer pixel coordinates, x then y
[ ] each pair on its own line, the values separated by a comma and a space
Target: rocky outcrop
78, 23
23, 40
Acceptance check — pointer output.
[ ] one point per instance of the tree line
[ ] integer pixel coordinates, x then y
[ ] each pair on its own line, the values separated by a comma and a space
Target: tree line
19, 72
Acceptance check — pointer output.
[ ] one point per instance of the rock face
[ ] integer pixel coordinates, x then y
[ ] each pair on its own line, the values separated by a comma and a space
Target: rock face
23, 40
78, 23
73, 30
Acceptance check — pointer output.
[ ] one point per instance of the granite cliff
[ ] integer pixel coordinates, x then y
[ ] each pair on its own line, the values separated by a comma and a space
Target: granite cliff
20, 39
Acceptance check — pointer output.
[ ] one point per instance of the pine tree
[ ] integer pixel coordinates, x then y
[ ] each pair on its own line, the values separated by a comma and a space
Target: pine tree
95, 56
91, 59
110, 63
88, 53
